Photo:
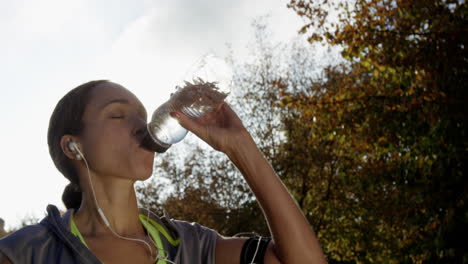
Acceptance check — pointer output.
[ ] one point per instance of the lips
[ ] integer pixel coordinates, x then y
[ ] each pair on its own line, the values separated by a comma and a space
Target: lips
147, 142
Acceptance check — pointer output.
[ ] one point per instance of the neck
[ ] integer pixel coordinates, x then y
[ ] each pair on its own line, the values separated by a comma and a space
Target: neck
117, 200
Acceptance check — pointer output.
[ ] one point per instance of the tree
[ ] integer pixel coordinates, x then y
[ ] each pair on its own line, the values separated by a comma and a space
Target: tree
28, 219
2, 228
385, 133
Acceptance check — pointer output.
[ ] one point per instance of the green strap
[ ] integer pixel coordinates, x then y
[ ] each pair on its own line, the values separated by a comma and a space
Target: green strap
156, 238
76, 232
152, 228
161, 229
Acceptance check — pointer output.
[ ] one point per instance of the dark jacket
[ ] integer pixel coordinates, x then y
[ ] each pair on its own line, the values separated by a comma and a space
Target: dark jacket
51, 241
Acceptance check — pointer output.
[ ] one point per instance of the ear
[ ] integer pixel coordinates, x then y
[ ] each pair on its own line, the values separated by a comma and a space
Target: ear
65, 145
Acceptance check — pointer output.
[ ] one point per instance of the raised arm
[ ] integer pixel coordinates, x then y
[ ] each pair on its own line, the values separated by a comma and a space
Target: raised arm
294, 240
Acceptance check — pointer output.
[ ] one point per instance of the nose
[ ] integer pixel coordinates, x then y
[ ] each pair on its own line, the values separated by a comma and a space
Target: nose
140, 133
139, 128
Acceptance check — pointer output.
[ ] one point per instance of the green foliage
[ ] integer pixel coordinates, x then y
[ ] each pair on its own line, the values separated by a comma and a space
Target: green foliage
388, 133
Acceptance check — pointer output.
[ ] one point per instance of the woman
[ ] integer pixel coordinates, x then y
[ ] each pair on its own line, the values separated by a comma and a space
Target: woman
94, 139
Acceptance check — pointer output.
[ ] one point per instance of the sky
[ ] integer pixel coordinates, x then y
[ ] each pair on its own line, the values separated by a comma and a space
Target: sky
49, 47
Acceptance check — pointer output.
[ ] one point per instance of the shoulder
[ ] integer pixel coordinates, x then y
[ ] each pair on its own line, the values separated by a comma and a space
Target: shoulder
190, 226
184, 230
26, 242
26, 236
23, 241
194, 230
197, 241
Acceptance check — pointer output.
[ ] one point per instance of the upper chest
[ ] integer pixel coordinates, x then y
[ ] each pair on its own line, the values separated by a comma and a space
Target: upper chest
116, 250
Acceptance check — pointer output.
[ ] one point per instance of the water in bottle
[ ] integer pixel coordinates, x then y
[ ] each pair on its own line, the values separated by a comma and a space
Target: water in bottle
209, 87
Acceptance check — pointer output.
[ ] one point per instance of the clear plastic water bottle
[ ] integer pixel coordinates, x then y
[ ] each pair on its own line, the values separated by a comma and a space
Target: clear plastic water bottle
209, 86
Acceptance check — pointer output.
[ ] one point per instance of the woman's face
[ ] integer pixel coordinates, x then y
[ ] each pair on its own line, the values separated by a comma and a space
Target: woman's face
114, 120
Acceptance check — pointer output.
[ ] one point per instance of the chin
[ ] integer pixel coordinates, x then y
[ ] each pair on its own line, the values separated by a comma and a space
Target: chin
144, 170
144, 176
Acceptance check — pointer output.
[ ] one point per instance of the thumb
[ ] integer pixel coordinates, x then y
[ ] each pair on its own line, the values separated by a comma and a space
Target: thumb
187, 123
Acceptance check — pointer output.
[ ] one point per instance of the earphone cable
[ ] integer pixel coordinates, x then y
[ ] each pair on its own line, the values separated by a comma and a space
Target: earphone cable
101, 213
258, 243
256, 250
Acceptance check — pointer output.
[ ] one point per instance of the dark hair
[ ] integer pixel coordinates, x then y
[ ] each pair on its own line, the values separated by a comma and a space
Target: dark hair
67, 120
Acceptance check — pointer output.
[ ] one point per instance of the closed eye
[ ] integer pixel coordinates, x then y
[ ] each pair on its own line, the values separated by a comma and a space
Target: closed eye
117, 117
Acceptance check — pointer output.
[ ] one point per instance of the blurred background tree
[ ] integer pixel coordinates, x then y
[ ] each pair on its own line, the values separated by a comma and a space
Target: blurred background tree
394, 121
25, 221
2, 228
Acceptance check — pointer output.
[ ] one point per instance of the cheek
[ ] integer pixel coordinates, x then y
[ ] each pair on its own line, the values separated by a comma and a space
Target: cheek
114, 152
108, 152
108, 160
142, 164
125, 160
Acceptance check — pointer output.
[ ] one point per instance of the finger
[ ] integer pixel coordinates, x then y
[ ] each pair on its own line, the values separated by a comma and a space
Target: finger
230, 114
227, 109
220, 106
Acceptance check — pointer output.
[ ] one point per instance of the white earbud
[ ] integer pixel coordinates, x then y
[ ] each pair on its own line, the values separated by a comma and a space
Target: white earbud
74, 148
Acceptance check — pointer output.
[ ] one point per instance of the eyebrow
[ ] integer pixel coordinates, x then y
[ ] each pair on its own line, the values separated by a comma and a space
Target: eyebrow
124, 101
121, 101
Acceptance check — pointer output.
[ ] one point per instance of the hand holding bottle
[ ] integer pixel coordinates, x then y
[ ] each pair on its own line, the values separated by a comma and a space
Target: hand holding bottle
222, 129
